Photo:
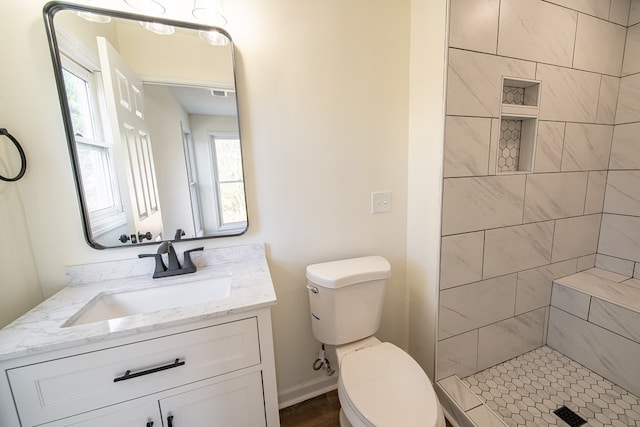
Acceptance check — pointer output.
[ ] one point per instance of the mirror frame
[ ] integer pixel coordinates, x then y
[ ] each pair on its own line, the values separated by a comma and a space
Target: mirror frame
49, 11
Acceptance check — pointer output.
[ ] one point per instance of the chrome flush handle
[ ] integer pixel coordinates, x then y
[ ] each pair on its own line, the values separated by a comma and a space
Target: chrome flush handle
313, 289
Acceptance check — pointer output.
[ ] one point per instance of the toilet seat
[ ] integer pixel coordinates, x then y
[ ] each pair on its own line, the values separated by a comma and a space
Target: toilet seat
383, 386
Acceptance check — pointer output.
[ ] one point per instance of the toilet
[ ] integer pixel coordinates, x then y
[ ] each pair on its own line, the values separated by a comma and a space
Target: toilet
378, 383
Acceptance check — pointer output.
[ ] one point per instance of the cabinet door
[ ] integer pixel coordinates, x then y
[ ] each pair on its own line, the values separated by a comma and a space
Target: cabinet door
236, 402
128, 414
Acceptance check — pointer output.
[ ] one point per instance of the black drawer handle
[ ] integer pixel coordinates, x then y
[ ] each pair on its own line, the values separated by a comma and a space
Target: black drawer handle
128, 375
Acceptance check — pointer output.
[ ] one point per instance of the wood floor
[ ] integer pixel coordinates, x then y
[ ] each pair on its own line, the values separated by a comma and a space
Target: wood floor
321, 411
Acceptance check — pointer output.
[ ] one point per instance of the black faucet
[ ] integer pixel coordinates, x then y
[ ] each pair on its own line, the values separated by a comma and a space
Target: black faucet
174, 268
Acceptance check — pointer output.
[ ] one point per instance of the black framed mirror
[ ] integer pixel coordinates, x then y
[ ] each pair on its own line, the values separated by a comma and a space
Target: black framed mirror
151, 117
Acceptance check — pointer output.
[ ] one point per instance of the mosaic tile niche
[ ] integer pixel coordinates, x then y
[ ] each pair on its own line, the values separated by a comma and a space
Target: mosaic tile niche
518, 125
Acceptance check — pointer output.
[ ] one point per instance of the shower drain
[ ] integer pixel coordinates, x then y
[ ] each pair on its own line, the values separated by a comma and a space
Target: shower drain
569, 417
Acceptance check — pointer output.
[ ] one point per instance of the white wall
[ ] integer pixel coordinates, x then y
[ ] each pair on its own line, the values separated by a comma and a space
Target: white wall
323, 98
167, 119
426, 133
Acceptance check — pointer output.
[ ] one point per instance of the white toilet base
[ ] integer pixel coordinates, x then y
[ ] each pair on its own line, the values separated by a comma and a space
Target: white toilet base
344, 421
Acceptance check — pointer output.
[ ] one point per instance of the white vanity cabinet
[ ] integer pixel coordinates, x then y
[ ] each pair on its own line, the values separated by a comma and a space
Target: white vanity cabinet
216, 372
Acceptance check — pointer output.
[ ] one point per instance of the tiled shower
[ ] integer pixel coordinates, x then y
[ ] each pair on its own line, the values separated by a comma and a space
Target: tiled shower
538, 190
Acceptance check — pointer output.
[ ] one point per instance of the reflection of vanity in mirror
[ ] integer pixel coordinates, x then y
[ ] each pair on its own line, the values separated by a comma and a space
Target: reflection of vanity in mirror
152, 119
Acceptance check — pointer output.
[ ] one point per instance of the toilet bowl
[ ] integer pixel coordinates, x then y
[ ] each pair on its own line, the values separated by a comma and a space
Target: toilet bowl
378, 383
381, 385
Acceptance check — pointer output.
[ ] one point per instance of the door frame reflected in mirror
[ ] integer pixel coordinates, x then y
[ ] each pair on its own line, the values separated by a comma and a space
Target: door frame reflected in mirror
184, 194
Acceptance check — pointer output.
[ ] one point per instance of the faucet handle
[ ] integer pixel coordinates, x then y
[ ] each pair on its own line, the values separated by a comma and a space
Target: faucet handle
160, 267
187, 262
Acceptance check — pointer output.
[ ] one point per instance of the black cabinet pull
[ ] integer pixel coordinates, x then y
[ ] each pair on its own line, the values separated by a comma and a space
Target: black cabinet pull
170, 421
149, 423
128, 375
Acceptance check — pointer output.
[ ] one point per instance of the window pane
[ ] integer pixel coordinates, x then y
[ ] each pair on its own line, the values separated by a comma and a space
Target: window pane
79, 104
229, 159
96, 181
232, 201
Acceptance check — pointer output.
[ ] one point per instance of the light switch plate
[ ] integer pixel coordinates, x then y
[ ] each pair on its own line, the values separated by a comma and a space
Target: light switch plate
380, 201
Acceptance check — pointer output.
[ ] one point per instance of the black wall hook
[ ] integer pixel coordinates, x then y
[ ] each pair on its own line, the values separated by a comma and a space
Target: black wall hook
23, 157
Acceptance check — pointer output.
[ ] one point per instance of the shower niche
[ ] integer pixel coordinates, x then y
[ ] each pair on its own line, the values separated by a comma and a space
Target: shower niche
518, 125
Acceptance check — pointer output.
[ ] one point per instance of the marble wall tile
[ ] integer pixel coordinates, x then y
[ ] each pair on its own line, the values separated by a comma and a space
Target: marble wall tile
575, 237
633, 282
631, 64
464, 397
619, 11
620, 237
615, 318
454, 413
567, 94
548, 157
534, 286
536, 31
611, 276
586, 147
634, 12
473, 25
617, 265
571, 300
466, 146
483, 416
629, 100
493, 146
461, 259
586, 262
475, 79
607, 100
596, 186
457, 355
517, 248
623, 193
608, 354
471, 204
554, 195
599, 46
468, 307
599, 8
625, 148
636, 271
510, 338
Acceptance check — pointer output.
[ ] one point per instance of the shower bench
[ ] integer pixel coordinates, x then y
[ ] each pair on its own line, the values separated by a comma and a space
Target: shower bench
595, 320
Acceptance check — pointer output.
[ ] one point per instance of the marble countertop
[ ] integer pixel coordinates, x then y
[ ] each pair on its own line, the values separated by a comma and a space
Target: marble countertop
40, 330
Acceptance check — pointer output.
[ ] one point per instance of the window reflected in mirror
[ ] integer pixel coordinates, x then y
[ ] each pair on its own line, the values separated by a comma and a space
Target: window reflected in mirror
153, 128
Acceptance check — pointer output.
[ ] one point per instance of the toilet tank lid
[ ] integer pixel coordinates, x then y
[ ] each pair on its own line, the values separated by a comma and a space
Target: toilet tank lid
345, 272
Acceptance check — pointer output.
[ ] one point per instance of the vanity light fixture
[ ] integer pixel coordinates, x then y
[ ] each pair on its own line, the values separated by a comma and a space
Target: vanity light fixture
209, 12
152, 7
158, 28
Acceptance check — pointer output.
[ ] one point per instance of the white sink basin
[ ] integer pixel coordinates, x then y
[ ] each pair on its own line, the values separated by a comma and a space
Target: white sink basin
108, 306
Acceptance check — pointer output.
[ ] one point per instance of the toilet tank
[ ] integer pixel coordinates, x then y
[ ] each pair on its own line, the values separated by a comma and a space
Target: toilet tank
346, 298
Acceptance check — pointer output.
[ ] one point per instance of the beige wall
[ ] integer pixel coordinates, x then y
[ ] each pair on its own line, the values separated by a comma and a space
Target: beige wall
323, 98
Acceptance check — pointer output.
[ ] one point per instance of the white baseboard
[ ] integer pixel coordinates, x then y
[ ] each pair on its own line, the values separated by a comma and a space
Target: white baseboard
307, 390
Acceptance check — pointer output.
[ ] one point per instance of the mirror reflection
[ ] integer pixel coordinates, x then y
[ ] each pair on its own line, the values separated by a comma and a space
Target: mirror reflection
152, 121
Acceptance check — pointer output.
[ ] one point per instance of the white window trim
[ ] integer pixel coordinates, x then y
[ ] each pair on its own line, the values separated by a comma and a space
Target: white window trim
103, 220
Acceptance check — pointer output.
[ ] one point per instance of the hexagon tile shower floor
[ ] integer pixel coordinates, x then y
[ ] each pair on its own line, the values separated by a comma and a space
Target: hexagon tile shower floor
526, 391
